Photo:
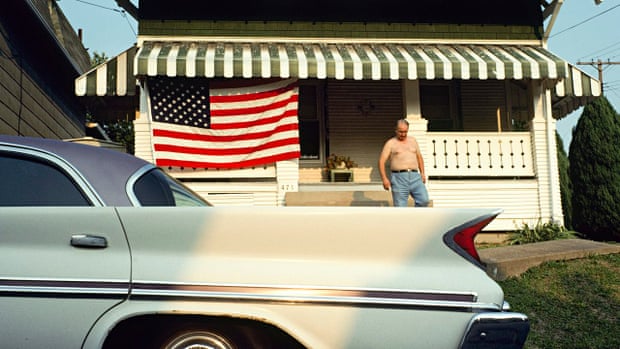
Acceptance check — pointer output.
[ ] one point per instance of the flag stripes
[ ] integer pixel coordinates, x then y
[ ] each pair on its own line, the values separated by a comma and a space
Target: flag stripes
248, 125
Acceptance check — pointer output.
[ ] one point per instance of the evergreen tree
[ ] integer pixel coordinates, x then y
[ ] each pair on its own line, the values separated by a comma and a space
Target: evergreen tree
595, 172
98, 58
565, 185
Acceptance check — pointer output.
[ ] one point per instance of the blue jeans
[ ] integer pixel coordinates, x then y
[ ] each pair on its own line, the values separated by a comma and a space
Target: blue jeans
405, 183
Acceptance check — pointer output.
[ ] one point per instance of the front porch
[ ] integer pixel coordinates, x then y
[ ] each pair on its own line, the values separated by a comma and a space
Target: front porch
464, 169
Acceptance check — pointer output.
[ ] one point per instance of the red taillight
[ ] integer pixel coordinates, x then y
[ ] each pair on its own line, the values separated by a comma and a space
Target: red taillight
465, 237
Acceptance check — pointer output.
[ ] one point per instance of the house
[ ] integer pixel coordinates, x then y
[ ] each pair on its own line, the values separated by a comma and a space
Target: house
40, 56
475, 81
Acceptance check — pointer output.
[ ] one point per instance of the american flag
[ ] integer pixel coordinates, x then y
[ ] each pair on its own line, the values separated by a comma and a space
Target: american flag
197, 124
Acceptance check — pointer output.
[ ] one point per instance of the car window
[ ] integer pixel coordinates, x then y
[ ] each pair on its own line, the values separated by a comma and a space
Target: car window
27, 181
155, 188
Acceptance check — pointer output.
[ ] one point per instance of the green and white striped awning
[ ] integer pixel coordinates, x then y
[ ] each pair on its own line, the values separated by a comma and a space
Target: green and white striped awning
112, 78
571, 88
357, 61
574, 91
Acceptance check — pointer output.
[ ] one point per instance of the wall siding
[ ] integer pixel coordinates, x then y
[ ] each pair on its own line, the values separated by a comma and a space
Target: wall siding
518, 199
26, 108
236, 194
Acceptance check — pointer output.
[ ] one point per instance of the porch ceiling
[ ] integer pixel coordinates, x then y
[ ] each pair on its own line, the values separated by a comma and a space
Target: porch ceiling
571, 87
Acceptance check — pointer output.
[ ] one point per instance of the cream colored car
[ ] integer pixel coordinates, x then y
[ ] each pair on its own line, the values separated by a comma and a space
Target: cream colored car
93, 256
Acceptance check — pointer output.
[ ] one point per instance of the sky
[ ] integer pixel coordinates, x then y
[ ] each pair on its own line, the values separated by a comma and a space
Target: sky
582, 32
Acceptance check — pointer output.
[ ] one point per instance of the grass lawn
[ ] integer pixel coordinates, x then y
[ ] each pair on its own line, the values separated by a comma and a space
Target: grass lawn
570, 304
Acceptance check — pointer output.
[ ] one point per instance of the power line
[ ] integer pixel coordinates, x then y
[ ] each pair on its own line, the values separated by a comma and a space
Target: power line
584, 21
121, 12
100, 6
603, 50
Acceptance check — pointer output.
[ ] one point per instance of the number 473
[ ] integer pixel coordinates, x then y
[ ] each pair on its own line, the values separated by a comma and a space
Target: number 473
288, 187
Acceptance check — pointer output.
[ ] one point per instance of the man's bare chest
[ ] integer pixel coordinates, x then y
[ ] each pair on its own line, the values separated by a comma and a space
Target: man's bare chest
403, 148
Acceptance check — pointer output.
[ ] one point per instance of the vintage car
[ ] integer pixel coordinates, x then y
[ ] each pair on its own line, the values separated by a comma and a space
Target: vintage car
93, 256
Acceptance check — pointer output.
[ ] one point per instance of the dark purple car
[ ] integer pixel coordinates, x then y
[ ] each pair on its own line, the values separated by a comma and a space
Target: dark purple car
44, 172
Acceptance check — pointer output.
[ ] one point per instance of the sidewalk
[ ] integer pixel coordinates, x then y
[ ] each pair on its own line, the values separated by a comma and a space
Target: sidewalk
506, 261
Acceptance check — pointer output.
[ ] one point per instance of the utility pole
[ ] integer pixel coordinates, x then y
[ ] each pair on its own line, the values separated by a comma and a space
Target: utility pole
599, 66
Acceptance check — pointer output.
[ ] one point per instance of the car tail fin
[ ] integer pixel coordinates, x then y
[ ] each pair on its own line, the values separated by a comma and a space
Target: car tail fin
461, 239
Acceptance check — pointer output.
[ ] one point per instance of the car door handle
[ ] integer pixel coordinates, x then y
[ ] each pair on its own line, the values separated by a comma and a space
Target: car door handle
89, 241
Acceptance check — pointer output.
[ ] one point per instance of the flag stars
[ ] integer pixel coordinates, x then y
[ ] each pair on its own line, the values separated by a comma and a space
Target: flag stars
180, 103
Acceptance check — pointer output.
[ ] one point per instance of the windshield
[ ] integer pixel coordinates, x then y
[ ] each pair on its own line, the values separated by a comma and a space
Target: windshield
156, 188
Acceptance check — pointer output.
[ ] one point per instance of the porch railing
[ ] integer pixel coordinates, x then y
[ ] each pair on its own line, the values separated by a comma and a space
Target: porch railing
479, 154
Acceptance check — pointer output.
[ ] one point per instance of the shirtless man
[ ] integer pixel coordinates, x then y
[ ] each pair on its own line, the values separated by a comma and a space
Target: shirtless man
407, 167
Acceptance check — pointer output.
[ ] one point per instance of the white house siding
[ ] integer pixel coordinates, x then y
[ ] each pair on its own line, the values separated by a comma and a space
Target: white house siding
142, 138
517, 198
550, 199
359, 133
236, 194
287, 174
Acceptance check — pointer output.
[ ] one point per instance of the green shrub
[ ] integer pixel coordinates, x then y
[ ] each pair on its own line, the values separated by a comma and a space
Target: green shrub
595, 172
538, 233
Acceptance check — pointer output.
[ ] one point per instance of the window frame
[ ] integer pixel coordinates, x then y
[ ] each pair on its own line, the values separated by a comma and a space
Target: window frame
145, 170
64, 168
320, 117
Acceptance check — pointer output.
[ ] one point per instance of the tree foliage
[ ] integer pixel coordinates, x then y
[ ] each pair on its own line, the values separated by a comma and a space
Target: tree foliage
595, 172
98, 58
565, 184
120, 131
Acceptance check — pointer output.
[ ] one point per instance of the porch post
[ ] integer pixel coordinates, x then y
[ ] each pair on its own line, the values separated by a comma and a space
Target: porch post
143, 147
545, 156
413, 112
287, 178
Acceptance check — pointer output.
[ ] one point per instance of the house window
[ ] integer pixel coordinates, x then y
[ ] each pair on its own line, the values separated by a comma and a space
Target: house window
310, 120
520, 105
438, 102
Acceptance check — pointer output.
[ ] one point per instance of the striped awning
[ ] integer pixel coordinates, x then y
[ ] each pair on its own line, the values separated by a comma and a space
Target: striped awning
570, 87
112, 78
357, 61
576, 90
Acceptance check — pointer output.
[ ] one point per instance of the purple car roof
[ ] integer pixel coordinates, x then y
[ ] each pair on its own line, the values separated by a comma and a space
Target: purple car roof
106, 170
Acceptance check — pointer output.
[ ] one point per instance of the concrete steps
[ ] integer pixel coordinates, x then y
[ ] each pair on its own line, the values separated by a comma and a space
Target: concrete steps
339, 198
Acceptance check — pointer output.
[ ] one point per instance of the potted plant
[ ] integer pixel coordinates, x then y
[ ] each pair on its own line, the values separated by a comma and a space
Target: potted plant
339, 162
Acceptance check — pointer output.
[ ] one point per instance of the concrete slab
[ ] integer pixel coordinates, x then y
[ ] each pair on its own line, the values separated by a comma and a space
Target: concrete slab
506, 261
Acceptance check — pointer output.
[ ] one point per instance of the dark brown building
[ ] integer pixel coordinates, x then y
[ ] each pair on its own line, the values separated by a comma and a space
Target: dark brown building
40, 56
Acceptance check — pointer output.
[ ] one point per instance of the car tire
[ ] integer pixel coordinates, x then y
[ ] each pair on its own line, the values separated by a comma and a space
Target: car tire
198, 338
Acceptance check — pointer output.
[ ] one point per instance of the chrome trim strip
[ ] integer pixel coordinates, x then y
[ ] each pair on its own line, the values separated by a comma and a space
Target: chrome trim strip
377, 298
64, 288
132, 181
382, 298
